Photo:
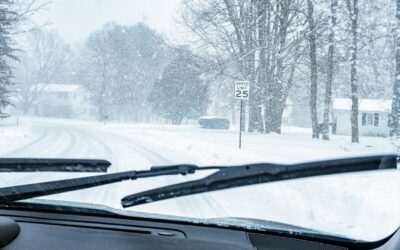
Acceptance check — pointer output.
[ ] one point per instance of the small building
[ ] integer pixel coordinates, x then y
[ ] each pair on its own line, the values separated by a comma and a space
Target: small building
373, 116
63, 100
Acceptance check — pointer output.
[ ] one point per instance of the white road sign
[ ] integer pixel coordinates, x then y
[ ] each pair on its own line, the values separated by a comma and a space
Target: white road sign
242, 90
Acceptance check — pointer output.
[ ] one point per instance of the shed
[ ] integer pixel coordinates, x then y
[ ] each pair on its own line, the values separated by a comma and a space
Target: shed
373, 116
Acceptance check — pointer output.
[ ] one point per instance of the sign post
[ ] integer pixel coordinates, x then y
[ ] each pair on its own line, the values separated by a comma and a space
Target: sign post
242, 91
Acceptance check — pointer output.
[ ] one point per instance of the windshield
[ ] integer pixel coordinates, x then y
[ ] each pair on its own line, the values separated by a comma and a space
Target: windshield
210, 82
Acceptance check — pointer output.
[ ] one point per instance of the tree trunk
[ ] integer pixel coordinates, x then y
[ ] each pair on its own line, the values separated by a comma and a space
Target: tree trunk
313, 66
268, 94
329, 77
254, 118
254, 103
262, 66
353, 9
233, 110
278, 96
395, 116
278, 102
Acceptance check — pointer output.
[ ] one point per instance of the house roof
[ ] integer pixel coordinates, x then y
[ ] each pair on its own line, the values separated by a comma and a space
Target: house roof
57, 87
377, 105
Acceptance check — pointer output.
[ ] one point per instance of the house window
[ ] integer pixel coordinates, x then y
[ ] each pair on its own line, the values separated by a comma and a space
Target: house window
370, 119
364, 119
62, 95
376, 119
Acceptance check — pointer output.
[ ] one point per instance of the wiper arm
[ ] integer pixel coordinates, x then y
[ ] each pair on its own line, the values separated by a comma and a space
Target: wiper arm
261, 173
22, 192
52, 165
226, 177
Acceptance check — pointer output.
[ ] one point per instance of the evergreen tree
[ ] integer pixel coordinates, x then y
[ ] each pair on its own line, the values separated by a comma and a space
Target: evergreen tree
181, 92
7, 20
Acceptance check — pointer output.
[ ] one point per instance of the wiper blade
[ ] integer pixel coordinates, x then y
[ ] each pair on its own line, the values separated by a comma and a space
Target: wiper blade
261, 173
52, 165
22, 192
226, 177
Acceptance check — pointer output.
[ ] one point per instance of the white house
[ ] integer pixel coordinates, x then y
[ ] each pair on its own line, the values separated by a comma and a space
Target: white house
63, 100
373, 117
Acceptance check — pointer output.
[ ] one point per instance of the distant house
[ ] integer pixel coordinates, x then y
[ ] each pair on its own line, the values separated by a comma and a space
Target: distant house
373, 117
63, 100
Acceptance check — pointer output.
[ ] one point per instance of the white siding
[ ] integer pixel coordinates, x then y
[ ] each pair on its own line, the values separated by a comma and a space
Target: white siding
69, 102
343, 122
344, 125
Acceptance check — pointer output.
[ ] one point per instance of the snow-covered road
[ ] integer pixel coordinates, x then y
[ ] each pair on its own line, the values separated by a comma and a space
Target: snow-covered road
65, 139
70, 141
348, 203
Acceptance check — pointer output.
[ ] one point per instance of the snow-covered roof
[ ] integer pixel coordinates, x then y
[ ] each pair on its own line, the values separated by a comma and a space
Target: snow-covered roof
364, 104
57, 87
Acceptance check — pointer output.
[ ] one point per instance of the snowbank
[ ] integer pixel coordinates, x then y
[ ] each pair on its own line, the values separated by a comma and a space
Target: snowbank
14, 132
204, 146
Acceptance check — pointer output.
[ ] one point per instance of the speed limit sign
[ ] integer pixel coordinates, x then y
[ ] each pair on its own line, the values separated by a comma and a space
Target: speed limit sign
242, 90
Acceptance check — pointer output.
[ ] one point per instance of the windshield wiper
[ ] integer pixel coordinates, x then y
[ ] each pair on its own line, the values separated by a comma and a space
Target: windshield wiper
261, 173
226, 177
22, 192
52, 165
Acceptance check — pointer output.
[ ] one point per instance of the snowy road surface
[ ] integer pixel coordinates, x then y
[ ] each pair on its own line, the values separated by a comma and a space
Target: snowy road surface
348, 203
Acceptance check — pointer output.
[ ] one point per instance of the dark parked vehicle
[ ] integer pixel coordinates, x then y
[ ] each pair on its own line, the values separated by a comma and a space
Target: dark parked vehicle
214, 122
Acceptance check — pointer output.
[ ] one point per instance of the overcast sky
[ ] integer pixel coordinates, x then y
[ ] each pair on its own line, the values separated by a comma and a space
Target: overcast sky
74, 20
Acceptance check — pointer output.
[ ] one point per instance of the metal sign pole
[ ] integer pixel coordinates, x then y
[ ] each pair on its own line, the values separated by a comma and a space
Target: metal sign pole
242, 91
240, 125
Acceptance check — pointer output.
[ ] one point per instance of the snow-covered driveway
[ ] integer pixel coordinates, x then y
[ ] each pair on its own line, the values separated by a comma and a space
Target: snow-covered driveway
348, 203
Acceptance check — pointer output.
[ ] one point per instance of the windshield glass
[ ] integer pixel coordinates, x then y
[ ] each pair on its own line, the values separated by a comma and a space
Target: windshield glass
209, 82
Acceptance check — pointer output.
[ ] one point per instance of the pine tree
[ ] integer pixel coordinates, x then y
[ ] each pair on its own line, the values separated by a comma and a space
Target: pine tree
7, 20
180, 93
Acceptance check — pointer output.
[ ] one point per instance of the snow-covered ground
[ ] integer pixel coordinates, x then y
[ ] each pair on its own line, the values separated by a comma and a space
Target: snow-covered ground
357, 205
14, 133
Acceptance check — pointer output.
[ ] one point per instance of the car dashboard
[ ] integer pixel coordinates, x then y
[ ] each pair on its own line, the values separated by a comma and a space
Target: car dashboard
66, 230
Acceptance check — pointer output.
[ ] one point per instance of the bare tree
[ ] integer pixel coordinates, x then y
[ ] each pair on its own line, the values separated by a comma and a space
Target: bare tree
40, 64
352, 6
395, 115
313, 67
99, 68
329, 77
262, 60
265, 42
119, 67
286, 41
